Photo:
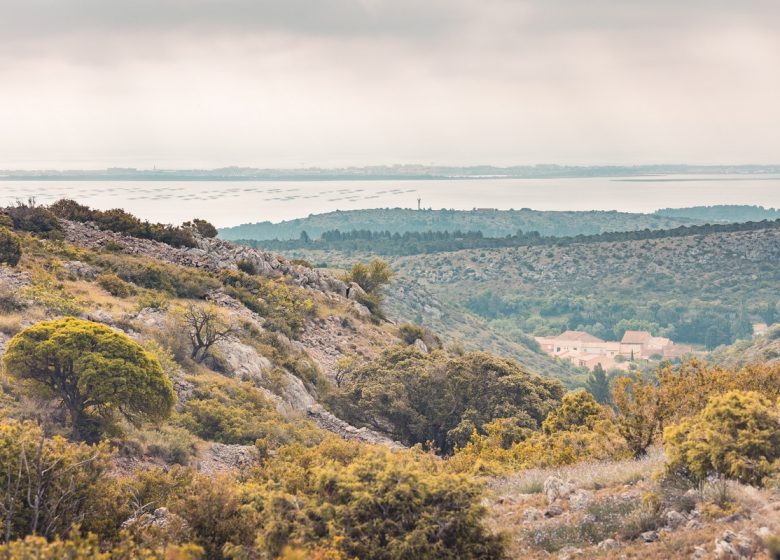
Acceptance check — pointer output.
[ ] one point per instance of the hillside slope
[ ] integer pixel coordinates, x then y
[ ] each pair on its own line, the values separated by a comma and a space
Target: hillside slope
492, 223
703, 289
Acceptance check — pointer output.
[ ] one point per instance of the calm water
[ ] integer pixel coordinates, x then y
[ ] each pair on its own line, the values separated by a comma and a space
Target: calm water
232, 203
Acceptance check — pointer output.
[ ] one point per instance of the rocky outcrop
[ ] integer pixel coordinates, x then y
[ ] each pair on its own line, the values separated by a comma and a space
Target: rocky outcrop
13, 279
220, 457
161, 519
556, 488
329, 422
209, 254
81, 270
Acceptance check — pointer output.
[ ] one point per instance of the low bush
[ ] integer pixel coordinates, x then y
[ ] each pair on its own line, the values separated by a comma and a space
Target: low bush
176, 280
578, 410
736, 436
231, 411
369, 502
247, 267
10, 247
114, 285
120, 221
35, 219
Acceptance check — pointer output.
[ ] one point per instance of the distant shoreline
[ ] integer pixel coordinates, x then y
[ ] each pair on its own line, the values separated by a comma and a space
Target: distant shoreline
638, 173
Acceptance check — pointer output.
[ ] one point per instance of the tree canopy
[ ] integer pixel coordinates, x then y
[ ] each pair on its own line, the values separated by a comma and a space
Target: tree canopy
440, 399
94, 370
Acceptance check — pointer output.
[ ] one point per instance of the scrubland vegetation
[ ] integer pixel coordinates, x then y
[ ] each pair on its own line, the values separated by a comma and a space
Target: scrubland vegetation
160, 411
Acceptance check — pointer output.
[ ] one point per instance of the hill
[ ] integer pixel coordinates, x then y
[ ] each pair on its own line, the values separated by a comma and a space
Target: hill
165, 394
722, 213
492, 223
759, 349
700, 289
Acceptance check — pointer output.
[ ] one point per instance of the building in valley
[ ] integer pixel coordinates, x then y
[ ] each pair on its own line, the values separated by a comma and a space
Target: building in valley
585, 350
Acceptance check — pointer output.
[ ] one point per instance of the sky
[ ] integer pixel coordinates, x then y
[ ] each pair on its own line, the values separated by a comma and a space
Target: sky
89, 84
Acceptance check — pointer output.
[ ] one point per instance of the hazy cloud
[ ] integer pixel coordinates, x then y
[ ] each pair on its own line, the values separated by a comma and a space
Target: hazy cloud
329, 82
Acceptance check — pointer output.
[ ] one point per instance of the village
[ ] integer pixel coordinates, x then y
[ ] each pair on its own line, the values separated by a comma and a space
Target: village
585, 350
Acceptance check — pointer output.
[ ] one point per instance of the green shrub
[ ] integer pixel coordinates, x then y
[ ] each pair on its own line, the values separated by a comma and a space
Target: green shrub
736, 436
203, 227
171, 444
10, 247
227, 411
95, 371
120, 221
35, 219
50, 294
372, 277
114, 285
64, 478
285, 308
153, 299
247, 267
409, 332
578, 410
442, 400
368, 502
176, 280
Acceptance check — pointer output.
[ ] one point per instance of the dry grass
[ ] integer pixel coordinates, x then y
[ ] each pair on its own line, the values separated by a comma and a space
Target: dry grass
97, 296
591, 475
12, 323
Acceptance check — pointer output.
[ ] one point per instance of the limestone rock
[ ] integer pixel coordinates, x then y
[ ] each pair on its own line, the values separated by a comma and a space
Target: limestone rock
421, 346
81, 270
355, 292
532, 514
580, 499
569, 552
555, 488
608, 544
674, 519
649, 536
220, 457
733, 546
332, 423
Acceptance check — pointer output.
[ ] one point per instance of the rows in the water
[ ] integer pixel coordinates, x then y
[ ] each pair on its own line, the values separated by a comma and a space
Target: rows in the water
192, 193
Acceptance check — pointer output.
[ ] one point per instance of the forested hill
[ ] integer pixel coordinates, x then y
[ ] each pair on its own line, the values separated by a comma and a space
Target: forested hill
704, 289
492, 223
722, 213
416, 243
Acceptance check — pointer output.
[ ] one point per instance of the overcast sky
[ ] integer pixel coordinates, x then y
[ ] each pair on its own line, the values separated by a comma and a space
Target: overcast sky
206, 83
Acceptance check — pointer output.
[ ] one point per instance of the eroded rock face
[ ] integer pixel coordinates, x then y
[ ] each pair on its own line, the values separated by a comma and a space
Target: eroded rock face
244, 362
329, 422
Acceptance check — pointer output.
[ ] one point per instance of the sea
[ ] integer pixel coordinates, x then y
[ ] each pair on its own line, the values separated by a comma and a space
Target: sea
229, 203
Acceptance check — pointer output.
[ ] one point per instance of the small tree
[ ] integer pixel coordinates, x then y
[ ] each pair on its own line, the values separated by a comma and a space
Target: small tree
205, 328
94, 370
206, 229
372, 277
640, 412
598, 385
578, 410
10, 247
